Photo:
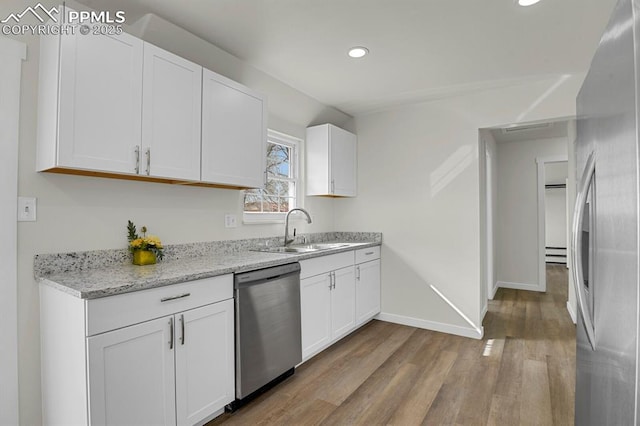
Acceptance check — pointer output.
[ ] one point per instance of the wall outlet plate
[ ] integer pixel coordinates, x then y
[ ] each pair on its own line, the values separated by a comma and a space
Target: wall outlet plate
26, 209
230, 221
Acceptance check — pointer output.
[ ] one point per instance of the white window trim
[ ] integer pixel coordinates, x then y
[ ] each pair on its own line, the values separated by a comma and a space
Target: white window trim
250, 218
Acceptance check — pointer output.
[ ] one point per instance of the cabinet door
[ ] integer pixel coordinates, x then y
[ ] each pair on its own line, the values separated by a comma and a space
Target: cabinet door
343, 162
204, 361
131, 375
234, 133
100, 104
315, 307
367, 291
343, 302
171, 116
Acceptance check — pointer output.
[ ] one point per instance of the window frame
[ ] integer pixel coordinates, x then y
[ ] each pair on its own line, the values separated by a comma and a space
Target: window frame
295, 144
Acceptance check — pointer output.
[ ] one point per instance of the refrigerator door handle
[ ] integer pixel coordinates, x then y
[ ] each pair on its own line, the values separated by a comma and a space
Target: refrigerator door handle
576, 247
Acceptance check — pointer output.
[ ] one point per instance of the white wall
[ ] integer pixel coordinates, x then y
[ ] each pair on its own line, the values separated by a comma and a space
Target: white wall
555, 204
489, 188
571, 198
418, 175
11, 55
518, 260
84, 213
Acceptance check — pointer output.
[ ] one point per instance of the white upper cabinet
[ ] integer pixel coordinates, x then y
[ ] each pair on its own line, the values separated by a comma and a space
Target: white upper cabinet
331, 161
117, 106
234, 133
90, 102
171, 116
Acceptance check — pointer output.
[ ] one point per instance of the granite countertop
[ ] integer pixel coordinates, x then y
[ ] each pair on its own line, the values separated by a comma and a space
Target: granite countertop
93, 280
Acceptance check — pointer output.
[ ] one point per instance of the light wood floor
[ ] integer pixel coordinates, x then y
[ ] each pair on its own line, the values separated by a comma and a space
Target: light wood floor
522, 372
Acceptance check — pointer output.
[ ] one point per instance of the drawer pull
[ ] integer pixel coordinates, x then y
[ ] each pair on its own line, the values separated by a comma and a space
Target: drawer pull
369, 253
166, 299
182, 326
171, 333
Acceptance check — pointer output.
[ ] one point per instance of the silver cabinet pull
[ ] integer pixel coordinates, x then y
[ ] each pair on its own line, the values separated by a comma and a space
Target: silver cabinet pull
330, 280
137, 159
334, 280
171, 333
180, 296
368, 253
576, 247
182, 327
148, 171
358, 272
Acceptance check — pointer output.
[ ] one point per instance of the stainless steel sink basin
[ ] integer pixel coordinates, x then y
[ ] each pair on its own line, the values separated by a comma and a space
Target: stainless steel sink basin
303, 248
281, 249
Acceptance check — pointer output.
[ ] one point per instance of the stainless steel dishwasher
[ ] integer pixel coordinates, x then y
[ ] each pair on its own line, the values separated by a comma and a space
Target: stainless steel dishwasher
268, 329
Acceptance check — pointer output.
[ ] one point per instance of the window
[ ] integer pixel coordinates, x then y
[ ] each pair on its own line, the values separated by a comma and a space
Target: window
280, 193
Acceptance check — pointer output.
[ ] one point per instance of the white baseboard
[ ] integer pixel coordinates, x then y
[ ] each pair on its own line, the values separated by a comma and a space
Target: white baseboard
518, 286
493, 291
572, 313
431, 325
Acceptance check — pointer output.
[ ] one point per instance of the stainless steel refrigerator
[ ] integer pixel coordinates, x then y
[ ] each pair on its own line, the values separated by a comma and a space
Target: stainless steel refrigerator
605, 229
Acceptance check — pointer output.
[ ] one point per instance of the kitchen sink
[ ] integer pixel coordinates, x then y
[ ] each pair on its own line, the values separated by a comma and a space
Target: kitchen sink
289, 249
303, 248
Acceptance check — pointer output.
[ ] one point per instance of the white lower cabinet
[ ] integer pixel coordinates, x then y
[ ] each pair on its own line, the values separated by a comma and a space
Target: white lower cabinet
204, 362
315, 308
367, 291
338, 293
131, 375
327, 305
343, 303
163, 356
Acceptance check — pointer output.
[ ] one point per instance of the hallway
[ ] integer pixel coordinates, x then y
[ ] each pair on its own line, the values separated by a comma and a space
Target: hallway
522, 372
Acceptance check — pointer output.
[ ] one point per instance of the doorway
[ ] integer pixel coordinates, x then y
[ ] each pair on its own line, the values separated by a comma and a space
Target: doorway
513, 208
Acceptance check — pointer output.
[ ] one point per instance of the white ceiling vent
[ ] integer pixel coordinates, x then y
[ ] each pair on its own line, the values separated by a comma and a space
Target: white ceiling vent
525, 128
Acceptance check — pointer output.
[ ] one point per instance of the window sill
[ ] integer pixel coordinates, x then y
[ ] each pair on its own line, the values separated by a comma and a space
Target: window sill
263, 218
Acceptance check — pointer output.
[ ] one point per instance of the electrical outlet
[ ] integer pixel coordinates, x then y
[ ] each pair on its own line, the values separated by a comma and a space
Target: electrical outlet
26, 209
230, 221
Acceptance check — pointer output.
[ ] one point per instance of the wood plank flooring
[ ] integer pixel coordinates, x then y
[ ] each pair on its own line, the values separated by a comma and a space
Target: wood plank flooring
522, 372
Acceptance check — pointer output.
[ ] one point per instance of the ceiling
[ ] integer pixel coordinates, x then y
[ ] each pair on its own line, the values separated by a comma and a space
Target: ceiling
420, 49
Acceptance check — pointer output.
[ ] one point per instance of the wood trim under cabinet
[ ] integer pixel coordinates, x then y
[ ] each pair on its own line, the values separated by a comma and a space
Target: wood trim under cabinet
80, 172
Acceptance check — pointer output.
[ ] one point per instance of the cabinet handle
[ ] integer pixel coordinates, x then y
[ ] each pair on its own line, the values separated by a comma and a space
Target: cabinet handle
148, 171
171, 333
137, 159
180, 296
369, 253
358, 272
330, 280
334, 280
182, 327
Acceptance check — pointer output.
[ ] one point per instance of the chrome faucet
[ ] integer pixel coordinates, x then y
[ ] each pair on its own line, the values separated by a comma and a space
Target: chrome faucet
287, 240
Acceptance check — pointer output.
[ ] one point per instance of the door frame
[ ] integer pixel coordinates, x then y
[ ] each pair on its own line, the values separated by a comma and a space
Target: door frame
541, 162
12, 53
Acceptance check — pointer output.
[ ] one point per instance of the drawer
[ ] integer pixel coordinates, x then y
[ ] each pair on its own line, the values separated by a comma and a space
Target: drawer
320, 265
112, 312
367, 254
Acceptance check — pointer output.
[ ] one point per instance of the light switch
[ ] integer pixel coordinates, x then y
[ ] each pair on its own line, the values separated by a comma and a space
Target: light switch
230, 221
26, 209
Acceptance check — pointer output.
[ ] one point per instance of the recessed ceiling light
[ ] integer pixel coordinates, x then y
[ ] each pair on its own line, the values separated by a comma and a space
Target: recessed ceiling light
358, 52
527, 2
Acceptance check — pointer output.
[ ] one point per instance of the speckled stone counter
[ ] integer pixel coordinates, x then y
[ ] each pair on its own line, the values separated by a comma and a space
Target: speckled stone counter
95, 274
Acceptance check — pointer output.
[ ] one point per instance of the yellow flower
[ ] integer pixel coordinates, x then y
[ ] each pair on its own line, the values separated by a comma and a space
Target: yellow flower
152, 240
137, 243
